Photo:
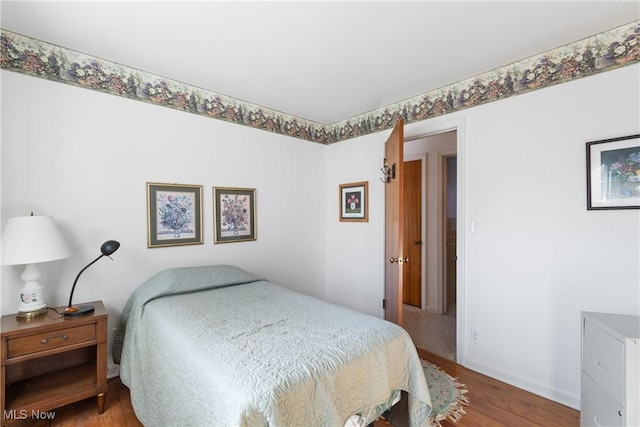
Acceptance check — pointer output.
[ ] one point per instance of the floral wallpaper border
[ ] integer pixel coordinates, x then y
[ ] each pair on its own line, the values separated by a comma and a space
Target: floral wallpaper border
603, 52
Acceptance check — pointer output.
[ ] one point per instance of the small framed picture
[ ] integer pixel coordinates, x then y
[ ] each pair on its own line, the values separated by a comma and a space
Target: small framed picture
174, 214
613, 173
234, 214
354, 202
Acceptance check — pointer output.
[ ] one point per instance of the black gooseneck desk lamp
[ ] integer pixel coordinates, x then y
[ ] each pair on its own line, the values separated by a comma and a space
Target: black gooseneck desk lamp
107, 248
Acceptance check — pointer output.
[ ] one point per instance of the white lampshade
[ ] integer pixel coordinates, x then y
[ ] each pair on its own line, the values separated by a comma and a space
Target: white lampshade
30, 240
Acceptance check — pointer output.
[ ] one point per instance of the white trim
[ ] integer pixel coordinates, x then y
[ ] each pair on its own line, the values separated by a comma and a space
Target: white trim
567, 399
441, 289
382, 236
461, 290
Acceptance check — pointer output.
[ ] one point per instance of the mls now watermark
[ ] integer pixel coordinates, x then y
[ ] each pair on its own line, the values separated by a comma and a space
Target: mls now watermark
23, 414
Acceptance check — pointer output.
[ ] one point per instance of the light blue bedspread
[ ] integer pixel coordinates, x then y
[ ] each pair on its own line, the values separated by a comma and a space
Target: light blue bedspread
217, 346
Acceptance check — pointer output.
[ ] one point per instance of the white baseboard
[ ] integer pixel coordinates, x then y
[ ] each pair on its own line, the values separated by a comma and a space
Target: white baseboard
570, 400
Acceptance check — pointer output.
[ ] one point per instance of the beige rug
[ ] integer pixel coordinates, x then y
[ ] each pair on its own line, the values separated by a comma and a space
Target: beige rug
447, 399
447, 395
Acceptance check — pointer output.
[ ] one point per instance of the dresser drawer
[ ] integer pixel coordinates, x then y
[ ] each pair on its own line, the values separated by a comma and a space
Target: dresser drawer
603, 358
46, 341
598, 408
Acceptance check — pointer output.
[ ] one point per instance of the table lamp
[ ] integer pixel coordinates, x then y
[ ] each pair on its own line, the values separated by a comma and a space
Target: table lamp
30, 240
107, 248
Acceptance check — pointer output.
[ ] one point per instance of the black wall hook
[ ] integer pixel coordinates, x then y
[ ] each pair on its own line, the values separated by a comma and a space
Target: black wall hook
388, 172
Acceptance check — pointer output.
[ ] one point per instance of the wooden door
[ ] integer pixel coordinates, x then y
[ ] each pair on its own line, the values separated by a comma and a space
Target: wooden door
394, 219
412, 280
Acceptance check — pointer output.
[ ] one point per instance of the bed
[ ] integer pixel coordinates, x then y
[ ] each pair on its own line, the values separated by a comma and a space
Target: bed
218, 346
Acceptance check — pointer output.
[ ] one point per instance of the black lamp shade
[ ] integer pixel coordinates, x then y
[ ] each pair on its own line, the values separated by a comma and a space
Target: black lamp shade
109, 247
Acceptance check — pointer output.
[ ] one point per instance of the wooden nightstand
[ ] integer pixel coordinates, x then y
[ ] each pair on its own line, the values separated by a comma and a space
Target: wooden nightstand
49, 361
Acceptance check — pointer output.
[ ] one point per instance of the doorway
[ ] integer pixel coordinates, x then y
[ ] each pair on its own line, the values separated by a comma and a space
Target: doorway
432, 323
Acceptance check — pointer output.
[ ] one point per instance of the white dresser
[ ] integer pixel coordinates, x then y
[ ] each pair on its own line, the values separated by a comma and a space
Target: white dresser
610, 377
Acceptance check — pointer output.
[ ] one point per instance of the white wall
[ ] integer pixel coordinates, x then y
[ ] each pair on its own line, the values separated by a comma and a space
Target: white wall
538, 257
85, 157
355, 273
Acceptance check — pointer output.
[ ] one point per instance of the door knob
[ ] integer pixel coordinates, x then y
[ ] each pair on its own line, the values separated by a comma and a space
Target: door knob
417, 242
399, 260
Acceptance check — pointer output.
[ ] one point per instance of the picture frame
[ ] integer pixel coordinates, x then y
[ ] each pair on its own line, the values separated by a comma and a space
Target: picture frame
174, 215
613, 173
234, 214
354, 202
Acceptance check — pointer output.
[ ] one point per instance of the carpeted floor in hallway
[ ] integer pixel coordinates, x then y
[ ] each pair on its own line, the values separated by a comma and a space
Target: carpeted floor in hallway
432, 332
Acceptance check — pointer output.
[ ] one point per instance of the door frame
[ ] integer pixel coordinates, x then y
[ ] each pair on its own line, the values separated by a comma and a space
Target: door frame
432, 127
441, 291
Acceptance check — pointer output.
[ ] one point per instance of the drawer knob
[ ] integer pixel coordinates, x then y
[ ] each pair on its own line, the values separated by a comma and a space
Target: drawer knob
46, 340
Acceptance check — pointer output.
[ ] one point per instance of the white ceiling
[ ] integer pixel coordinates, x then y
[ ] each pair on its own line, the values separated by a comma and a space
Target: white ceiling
322, 61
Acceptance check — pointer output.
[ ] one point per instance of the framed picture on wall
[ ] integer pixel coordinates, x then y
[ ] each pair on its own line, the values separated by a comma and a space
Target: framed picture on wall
354, 202
174, 214
234, 214
613, 173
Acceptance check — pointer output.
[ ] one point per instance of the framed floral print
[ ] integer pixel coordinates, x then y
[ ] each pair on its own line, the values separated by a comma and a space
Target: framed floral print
613, 173
354, 203
174, 214
234, 214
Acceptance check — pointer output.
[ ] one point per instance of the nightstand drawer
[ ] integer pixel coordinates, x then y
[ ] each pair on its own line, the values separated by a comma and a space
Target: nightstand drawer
603, 358
51, 340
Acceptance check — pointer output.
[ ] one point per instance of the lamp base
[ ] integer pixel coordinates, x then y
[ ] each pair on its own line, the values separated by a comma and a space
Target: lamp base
31, 314
31, 299
80, 310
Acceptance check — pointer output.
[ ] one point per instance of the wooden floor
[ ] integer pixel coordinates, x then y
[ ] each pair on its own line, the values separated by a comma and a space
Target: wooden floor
494, 403
118, 411
491, 403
